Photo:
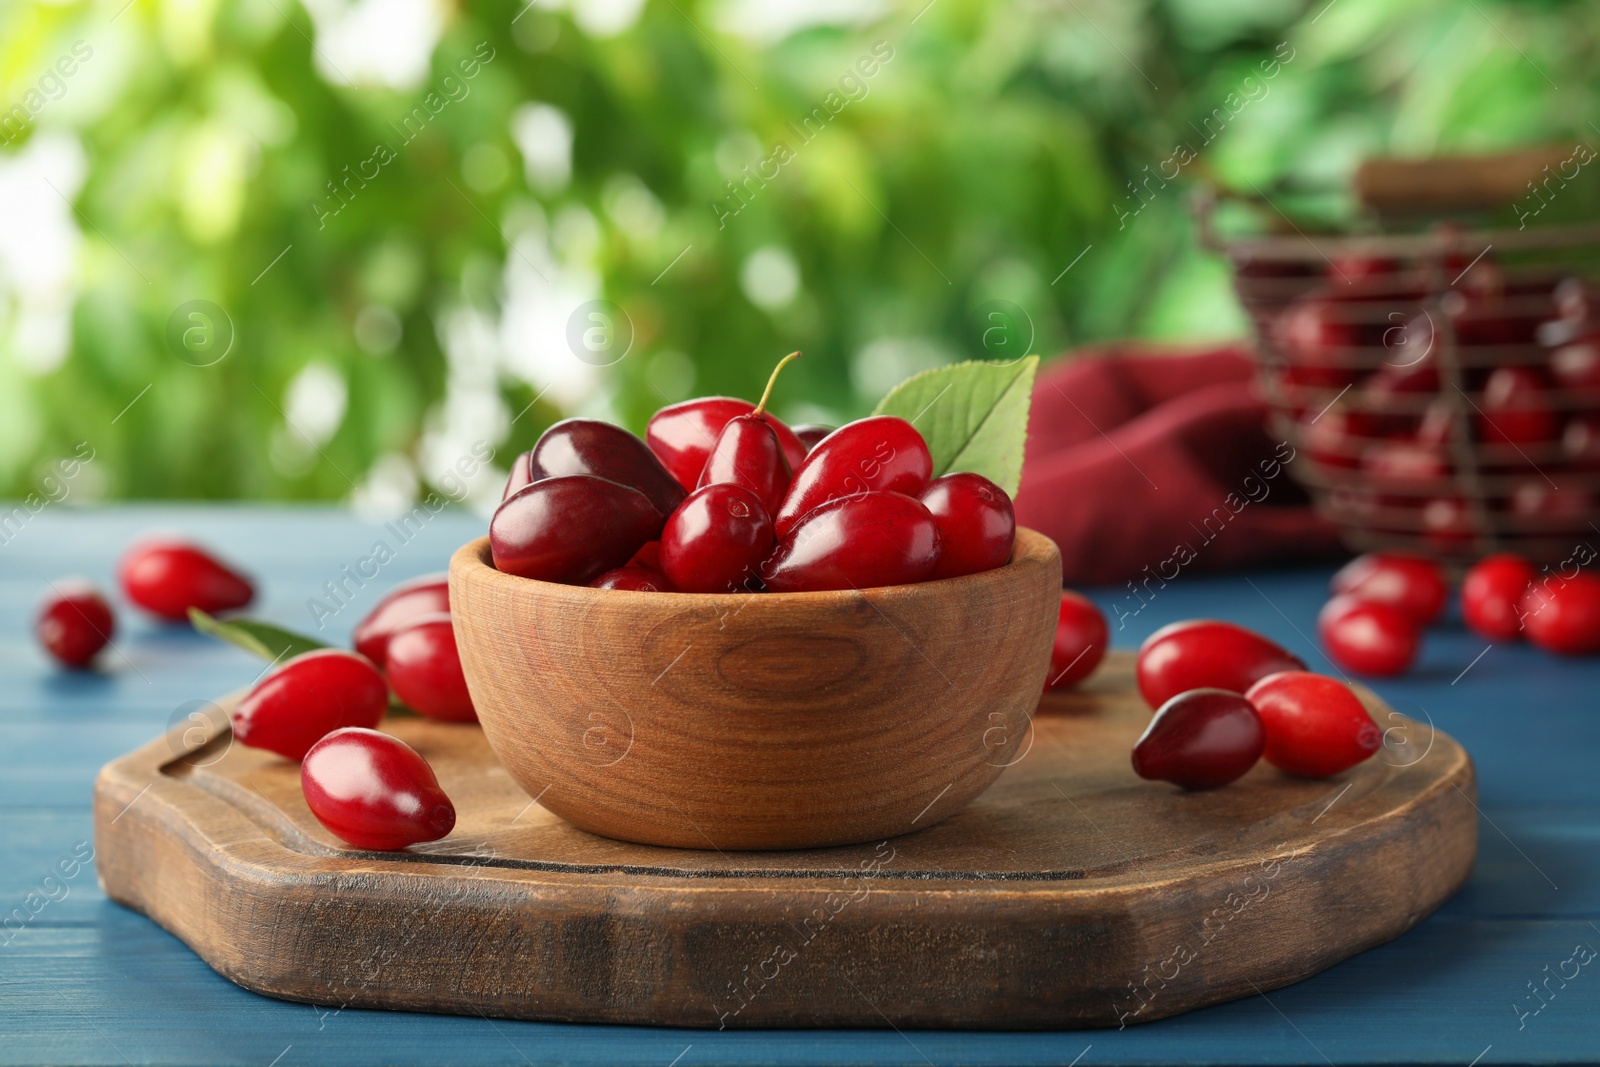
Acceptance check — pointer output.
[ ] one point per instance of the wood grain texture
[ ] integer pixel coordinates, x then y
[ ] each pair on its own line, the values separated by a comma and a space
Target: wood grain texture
1070, 894
756, 721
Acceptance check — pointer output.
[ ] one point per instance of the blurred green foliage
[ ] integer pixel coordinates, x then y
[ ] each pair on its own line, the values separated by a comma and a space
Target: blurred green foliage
990, 148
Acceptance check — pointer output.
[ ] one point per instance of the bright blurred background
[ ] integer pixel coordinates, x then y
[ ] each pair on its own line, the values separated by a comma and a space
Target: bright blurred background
321, 249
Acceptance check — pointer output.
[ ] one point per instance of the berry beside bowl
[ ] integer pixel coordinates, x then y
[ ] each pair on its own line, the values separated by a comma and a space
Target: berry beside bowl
757, 721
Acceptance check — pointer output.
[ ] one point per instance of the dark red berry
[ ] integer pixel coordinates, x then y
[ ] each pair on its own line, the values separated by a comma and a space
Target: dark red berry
856, 542
425, 671
879, 453
571, 530
1438, 425
1201, 739
296, 705
374, 791
1448, 525
1491, 594
1562, 614
716, 542
75, 623
634, 577
1580, 441
1367, 636
1206, 654
1577, 366
977, 525
1317, 334
682, 435
1413, 583
1080, 643
400, 607
167, 578
601, 450
1315, 726
1515, 408
1336, 437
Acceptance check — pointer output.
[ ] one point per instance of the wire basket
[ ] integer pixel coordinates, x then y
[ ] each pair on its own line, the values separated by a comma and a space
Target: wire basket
1441, 389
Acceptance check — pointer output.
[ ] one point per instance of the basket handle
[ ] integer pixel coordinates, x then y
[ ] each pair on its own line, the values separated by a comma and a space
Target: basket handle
1442, 184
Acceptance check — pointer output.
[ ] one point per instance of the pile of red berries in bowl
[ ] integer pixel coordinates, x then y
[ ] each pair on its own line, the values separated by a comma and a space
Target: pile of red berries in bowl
722, 497
1445, 398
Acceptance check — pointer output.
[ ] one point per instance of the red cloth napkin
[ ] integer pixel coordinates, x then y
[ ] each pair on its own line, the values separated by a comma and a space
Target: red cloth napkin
1145, 464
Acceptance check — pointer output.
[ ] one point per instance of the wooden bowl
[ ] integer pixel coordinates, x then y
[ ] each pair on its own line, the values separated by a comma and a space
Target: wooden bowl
761, 721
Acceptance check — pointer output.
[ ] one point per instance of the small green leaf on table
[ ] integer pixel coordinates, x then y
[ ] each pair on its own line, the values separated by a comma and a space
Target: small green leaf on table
271, 643
974, 416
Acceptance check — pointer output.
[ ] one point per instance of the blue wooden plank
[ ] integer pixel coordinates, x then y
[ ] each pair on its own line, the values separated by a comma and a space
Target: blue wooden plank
84, 981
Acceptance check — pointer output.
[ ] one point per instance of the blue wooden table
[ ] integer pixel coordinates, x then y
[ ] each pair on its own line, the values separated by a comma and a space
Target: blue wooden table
84, 982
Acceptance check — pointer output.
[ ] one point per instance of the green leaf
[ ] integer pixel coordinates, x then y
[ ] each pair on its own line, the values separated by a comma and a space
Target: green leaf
974, 416
263, 639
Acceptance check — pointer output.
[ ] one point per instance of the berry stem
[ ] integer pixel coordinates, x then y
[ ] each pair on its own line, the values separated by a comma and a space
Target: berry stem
761, 408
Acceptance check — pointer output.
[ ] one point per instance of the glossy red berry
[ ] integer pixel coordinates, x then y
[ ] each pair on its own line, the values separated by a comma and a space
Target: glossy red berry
1206, 654
399, 608
1515, 408
635, 578
1317, 334
425, 671
1580, 441
1491, 594
882, 453
601, 450
682, 435
374, 791
1438, 425
75, 623
1448, 525
1201, 739
1368, 636
1392, 390
1080, 644
856, 542
716, 542
1577, 366
977, 525
749, 454
1562, 615
571, 530
167, 578
296, 705
1413, 583
1336, 437
1315, 726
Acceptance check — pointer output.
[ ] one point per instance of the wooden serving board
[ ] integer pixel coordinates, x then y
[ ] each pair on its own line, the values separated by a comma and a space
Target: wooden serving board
1071, 894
